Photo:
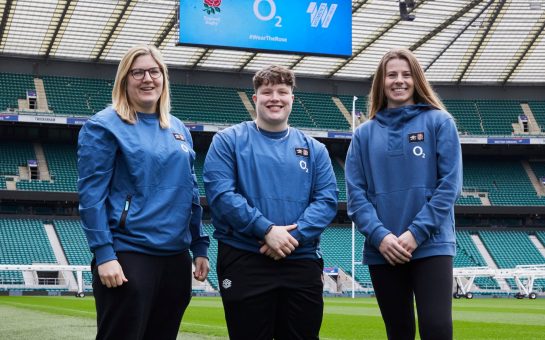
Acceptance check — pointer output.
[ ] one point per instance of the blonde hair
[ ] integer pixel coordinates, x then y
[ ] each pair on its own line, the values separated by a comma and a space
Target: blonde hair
120, 101
423, 92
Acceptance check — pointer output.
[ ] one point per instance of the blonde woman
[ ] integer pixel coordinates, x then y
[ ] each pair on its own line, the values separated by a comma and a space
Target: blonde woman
139, 205
403, 174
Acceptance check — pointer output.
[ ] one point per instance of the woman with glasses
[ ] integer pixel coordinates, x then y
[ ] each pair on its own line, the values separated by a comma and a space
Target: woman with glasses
139, 205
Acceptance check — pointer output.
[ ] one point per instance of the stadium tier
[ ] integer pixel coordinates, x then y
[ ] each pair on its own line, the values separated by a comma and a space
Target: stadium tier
341, 182
74, 244
14, 86
199, 165
467, 255
512, 248
23, 241
15, 155
223, 105
206, 104
469, 200
466, 115
77, 96
538, 109
336, 245
505, 181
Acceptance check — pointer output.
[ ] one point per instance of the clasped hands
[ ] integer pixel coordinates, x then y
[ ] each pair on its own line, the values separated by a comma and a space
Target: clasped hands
278, 242
398, 250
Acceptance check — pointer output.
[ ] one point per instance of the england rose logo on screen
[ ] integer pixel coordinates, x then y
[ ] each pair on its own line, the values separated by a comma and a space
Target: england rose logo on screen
212, 6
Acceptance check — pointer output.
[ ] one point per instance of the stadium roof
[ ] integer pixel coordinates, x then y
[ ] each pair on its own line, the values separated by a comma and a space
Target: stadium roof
457, 41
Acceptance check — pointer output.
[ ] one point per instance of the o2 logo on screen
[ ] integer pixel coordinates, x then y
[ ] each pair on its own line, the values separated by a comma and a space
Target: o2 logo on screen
318, 14
268, 16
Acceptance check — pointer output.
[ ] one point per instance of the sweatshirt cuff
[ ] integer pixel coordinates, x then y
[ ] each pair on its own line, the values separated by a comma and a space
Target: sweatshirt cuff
261, 225
199, 250
377, 236
297, 235
104, 254
419, 234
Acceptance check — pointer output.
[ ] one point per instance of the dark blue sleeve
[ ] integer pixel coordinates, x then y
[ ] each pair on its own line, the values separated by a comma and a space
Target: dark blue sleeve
199, 239
220, 183
360, 208
97, 148
323, 201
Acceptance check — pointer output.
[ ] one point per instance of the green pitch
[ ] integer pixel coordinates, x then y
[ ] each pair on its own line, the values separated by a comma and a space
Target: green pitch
33, 317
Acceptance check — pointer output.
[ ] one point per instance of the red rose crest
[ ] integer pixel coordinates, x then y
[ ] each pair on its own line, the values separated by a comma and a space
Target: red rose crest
212, 6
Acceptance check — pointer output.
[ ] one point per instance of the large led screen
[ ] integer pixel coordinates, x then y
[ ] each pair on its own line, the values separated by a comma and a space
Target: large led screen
291, 26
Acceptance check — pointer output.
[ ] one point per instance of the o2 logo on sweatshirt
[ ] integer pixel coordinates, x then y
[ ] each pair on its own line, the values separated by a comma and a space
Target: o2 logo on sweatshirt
419, 152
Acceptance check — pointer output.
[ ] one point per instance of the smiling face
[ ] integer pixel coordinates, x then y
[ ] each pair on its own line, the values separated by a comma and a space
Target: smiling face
144, 94
273, 106
398, 83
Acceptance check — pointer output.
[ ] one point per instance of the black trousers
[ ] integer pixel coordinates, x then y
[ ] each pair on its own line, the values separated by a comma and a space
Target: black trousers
151, 304
265, 299
429, 280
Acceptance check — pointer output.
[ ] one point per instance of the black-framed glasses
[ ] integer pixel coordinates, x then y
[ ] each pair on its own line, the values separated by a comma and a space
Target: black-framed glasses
139, 74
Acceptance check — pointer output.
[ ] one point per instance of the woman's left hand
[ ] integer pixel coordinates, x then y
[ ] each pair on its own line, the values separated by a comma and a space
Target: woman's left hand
202, 268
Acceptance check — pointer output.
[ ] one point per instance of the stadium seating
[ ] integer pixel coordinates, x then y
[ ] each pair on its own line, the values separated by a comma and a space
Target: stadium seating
511, 248
323, 111
538, 168
199, 166
61, 161
466, 116
14, 155
467, 255
23, 241
206, 104
498, 115
14, 87
341, 182
74, 244
77, 96
361, 103
468, 200
336, 245
538, 109
505, 180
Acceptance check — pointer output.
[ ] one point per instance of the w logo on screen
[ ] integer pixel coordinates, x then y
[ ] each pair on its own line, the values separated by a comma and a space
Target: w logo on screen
321, 13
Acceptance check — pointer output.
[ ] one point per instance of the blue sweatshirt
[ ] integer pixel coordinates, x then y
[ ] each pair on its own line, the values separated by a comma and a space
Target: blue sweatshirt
254, 180
137, 187
404, 172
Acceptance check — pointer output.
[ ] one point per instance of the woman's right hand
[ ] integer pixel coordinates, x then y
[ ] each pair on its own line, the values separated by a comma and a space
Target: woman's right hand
111, 274
392, 251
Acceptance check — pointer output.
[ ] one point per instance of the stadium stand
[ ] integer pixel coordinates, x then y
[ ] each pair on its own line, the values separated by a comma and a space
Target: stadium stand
466, 116
77, 96
341, 182
14, 86
336, 245
505, 180
467, 255
14, 155
510, 248
538, 109
23, 241
74, 245
61, 161
207, 104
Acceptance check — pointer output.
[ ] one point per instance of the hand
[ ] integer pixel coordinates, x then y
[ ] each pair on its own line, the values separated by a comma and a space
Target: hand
111, 274
407, 241
266, 250
279, 241
202, 268
392, 251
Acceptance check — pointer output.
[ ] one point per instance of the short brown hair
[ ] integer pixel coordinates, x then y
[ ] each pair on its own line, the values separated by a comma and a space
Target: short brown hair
274, 75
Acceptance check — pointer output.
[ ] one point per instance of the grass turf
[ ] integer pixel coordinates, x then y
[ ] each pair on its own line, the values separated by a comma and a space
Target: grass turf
48, 317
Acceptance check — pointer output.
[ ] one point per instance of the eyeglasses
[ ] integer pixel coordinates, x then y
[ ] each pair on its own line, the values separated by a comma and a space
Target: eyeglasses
139, 74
